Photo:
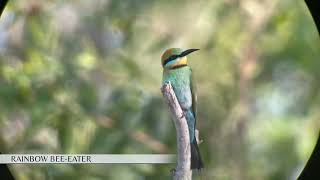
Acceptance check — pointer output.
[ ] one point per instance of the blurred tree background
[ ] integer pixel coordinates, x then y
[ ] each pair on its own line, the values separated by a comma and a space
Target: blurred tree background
83, 76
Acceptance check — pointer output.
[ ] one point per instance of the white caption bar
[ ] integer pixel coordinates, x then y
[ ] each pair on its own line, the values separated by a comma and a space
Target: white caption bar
86, 158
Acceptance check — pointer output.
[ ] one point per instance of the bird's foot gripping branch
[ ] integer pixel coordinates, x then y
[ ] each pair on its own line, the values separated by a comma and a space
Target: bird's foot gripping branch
182, 171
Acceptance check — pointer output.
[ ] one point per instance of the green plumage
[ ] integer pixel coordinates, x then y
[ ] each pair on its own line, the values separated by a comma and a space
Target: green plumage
179, 74
180, 79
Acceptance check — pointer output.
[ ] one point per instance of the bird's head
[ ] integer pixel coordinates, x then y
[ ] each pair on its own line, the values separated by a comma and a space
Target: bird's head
175, 57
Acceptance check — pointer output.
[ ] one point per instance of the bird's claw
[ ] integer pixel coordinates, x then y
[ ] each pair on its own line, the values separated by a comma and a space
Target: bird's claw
182, 115
173, 171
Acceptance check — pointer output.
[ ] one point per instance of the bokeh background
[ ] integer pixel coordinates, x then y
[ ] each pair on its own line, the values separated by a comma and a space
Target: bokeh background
82, 76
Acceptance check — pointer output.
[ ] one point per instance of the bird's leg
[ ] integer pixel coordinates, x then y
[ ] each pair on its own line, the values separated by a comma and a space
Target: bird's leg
173, 171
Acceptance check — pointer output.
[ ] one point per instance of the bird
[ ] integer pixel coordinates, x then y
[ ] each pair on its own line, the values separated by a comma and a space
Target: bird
179, 74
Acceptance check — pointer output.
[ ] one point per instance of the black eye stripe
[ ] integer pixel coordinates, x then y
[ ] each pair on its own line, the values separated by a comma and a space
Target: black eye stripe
170, 58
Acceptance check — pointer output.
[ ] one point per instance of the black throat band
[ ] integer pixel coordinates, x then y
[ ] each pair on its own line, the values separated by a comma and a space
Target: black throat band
179, 66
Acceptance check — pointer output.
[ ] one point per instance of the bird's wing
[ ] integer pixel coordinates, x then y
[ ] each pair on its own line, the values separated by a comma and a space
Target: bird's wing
194, 95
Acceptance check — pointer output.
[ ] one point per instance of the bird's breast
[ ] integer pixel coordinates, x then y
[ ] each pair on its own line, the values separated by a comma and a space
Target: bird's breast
180, 81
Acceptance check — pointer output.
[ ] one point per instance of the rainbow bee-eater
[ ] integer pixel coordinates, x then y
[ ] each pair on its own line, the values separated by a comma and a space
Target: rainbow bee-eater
179, 74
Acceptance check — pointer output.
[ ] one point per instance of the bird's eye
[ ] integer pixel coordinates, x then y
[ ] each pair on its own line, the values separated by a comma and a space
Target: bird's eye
171, 58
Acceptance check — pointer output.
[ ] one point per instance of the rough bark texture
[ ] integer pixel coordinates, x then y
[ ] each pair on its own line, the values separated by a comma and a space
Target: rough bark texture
182, 171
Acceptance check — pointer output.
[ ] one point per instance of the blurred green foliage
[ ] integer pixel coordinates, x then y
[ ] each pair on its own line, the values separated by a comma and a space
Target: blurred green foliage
83, 76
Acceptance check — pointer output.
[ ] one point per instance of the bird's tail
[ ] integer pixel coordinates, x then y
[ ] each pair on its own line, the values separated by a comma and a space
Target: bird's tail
196, 161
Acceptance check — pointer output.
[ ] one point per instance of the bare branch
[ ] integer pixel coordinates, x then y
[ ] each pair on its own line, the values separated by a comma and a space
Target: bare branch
183, 170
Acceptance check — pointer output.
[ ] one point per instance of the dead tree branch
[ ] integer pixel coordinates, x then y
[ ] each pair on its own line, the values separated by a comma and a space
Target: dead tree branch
182, 171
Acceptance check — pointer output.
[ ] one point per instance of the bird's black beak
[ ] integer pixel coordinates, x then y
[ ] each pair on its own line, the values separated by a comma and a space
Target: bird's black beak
188, 51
